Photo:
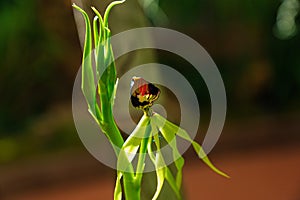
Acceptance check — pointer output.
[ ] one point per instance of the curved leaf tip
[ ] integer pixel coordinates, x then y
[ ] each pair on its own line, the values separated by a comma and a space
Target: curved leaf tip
107, 11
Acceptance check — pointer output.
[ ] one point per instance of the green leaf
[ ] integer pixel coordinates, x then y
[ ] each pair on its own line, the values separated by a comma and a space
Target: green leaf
100, 62
101, 25
96, 31
102, 46
114, 93
88, 82
169, 127
108, 9
110, 75
98, 116
105, 67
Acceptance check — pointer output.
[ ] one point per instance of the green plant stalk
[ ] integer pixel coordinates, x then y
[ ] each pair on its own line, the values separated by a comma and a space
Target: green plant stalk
142, 154
104, 117
107, 121
131, 188
106, 86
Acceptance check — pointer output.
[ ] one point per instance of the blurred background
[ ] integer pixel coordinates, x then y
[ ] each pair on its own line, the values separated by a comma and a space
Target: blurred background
255, 45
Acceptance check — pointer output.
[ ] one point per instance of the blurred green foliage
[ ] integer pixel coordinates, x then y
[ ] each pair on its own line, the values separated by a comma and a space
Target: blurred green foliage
39, 54
33, 75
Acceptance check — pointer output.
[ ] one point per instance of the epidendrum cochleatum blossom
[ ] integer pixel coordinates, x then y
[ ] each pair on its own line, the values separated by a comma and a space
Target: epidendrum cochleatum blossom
145, 140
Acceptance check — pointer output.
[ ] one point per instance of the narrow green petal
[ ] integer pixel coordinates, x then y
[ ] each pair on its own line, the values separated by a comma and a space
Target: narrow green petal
131, 145
172, 182
142, 153
118, 187
124, 162
149, 148
160, 175
169, 127
171, 139
199, 150
158, 162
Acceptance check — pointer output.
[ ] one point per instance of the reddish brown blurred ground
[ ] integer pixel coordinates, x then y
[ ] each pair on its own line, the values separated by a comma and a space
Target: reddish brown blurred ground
269, 174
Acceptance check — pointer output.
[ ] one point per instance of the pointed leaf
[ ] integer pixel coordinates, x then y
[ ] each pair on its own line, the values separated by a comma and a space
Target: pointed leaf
101, 25
88, 82
108, 9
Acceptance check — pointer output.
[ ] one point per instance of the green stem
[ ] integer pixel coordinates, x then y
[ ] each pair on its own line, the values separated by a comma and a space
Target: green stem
108, 125
131, 188
143, 148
